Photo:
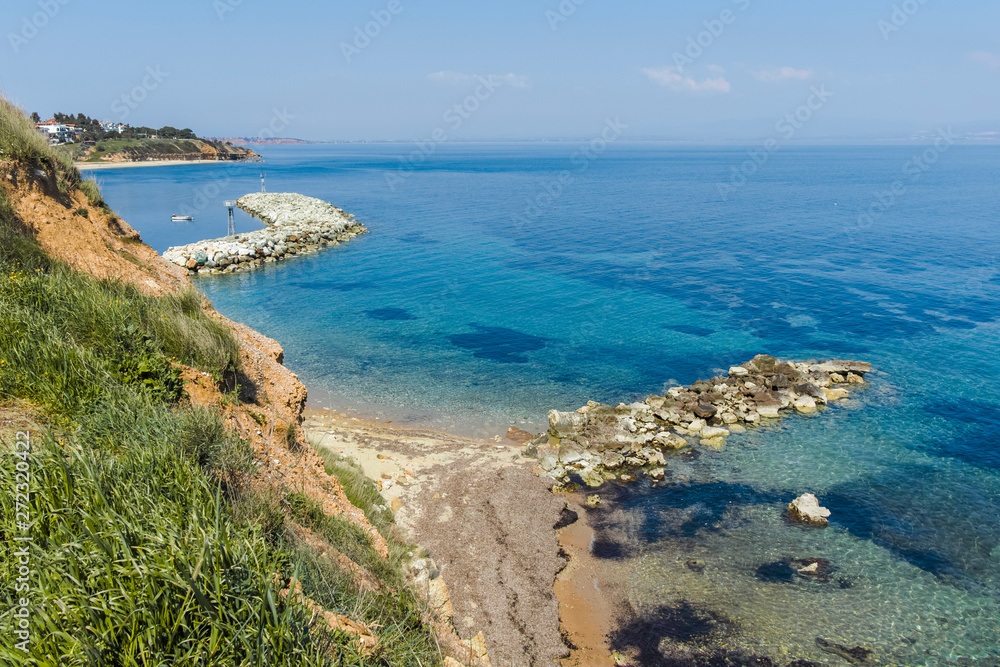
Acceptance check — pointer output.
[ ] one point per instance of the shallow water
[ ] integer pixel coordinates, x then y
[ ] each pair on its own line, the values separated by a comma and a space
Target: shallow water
457, 311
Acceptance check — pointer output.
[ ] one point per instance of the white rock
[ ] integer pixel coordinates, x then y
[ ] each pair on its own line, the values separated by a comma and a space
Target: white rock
767, 411
836, 394
713, 432
806, 509
805, 404
566, 423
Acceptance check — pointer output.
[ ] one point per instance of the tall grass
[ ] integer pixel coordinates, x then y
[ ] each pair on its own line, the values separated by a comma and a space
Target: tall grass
136, 558
21, 143
66, 335
360, 490
93, 192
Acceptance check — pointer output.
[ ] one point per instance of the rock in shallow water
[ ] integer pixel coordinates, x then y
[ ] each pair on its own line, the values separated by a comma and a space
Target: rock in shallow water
806, 509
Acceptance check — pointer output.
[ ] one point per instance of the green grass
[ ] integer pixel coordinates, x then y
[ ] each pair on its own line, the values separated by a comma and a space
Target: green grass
136, 148
156, 550
152, 543
93, 192
138, 559
66, 335
360, 490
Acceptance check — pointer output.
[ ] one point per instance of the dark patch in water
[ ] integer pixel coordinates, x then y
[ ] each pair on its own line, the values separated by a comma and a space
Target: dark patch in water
942, 525
680, 635
506, 346
979, 425
683, 510
608, 550
858, 655
788, 570
691, 330
778, 572
390, 314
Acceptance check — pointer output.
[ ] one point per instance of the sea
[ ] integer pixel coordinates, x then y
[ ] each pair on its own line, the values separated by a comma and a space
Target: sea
499, 281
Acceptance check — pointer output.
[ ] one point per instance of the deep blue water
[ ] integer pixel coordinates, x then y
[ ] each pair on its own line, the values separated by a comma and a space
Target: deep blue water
494, 286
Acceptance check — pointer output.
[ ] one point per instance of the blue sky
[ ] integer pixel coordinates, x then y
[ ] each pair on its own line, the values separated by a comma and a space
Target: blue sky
250, 67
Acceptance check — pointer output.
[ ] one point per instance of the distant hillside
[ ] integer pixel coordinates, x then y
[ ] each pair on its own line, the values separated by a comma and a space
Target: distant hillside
145, 150
87, 139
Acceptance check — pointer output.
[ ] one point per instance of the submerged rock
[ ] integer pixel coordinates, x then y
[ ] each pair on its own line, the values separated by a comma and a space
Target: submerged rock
519, 436
806, 509
859, 655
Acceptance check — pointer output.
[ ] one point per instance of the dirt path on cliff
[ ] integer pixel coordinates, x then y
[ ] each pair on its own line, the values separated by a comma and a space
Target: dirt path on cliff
486, 519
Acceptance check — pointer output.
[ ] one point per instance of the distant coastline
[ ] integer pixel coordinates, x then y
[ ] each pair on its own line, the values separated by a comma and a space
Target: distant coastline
261, 141
89, 166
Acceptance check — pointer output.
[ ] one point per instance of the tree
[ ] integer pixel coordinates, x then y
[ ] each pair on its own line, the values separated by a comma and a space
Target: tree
35, 118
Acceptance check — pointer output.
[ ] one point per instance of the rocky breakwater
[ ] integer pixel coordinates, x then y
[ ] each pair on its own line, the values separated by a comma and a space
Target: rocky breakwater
296, 225
598, 442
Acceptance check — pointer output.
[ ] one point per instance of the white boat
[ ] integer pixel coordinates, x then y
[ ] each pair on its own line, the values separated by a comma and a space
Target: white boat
182, 218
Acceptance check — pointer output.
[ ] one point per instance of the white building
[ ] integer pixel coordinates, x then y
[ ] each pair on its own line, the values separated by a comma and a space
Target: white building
57, 133
113, 127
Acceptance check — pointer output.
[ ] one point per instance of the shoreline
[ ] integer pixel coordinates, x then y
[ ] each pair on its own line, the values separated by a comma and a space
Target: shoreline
452, 496
97, 166
587, 612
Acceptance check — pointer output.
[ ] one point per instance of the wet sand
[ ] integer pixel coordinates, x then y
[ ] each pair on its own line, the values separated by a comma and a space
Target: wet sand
587, 608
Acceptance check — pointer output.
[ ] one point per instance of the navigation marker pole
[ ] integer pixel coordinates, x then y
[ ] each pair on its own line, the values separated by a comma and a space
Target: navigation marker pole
232, 221
262, 188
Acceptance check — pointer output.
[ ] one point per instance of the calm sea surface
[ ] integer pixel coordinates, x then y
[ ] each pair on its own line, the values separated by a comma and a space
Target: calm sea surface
499, 281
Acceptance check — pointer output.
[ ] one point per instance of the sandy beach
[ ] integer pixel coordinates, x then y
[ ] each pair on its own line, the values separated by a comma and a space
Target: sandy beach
489, 523
91, 166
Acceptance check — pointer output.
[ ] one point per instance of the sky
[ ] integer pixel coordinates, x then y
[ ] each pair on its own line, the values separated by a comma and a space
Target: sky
509, 69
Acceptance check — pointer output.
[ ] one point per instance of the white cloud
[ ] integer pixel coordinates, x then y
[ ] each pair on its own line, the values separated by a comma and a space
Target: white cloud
783, 74
462, 79
672, 78
985, 58
716, 68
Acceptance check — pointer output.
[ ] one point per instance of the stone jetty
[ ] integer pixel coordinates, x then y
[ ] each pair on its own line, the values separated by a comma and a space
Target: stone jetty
296, 225
598, 442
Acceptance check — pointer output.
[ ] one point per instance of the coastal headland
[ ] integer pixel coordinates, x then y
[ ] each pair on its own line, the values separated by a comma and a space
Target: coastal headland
296, 225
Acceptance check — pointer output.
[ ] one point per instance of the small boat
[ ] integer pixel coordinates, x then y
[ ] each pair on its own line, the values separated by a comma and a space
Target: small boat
182, 218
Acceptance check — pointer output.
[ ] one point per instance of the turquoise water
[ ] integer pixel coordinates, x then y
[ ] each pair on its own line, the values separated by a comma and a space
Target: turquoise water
491, 290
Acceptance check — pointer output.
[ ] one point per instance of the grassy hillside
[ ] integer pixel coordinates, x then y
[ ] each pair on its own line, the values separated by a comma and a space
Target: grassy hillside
137, 150
153, 539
